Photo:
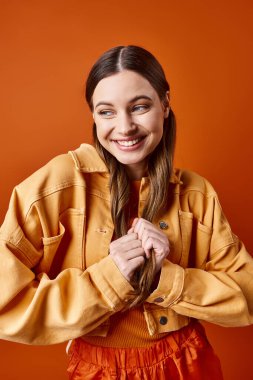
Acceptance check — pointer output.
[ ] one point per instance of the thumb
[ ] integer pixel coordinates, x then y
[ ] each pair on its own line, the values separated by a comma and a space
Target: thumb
135, 222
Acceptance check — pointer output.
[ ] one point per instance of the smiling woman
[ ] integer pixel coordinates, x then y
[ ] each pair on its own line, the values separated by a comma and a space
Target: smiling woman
129, 120
111, 247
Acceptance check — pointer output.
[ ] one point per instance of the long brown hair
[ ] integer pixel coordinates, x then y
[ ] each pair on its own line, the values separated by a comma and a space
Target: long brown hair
160, 161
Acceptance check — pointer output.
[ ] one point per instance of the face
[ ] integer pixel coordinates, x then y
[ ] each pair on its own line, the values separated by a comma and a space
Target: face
129, 117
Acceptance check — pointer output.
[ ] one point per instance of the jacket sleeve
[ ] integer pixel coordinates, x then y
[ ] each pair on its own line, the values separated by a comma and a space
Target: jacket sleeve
35, 309
219, 289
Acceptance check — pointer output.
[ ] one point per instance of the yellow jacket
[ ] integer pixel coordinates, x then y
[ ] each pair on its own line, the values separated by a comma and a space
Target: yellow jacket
57, 281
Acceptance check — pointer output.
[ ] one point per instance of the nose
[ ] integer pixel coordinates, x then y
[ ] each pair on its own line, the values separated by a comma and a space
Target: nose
125, 124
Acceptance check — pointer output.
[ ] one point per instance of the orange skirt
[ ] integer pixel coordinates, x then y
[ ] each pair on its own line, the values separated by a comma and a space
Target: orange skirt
182, 355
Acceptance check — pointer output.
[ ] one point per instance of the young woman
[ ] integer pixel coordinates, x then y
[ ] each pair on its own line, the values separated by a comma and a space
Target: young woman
111, 247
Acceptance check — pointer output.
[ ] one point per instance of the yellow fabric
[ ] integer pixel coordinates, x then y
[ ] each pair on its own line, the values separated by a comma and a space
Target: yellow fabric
128, 328
57, 281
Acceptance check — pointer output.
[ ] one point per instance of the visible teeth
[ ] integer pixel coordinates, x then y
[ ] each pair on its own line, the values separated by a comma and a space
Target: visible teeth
128, 143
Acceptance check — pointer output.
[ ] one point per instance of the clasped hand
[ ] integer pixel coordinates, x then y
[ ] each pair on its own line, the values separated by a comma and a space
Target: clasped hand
130, 251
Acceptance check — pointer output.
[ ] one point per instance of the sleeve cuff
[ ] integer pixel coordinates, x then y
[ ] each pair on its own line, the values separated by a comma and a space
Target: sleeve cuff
170, 285
112, 283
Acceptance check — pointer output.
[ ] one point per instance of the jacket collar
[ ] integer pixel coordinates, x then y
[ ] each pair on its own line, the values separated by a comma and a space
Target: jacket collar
87, 160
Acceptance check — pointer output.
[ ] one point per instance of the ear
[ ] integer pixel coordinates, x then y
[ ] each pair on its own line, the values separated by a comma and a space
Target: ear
167, 105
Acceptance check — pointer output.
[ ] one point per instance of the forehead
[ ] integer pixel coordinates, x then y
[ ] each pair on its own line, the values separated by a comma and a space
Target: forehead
122, 87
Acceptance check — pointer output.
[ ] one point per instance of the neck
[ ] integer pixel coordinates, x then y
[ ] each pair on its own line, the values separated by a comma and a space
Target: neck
136, 171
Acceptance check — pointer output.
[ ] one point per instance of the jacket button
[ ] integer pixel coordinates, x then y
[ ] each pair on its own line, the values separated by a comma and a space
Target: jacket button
163, 320
163, 225
158, 299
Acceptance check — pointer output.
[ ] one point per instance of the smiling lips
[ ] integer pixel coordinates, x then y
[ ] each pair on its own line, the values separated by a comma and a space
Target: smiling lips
129, 143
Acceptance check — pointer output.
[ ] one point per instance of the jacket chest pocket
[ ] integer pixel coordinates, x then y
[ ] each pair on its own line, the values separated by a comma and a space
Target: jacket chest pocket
171, 227
97, 243
65, 248
99, 229
196, 238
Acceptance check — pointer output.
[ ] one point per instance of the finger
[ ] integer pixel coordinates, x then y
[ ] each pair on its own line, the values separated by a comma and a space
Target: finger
147, 245
124, 239
121, 247
142, 221
150, 233
130, 231
141, 225
153, 243
135, 221
133, 244
139, 228
129, 255
137, 262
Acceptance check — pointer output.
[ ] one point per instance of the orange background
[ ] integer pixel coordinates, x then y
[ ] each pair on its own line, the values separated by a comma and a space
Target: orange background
47, 49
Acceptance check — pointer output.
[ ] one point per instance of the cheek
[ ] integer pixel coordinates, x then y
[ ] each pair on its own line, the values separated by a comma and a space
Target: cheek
103, 131
102, 140
156, 124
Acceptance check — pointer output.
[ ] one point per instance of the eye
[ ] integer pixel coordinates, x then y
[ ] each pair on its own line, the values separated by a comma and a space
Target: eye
140, 108
105, 113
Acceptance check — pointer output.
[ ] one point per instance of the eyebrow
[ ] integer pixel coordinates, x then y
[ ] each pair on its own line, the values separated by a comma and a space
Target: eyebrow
131, 101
